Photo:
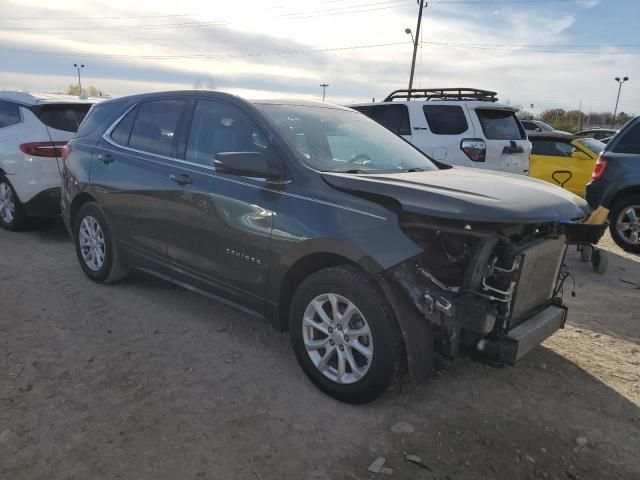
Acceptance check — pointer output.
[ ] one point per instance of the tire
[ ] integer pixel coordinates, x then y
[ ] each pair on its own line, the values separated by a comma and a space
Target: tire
600, 261
618, 215
12, 214
97, 252
585, 253
363, 378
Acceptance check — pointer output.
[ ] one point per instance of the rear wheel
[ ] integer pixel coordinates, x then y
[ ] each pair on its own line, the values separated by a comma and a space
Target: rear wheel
345, 335
625, 223
95, 247
12, 214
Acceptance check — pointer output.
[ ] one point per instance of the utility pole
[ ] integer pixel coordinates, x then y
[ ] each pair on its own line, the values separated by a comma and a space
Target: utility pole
324, 88
79, 83
416, 40
580, 116
615, 111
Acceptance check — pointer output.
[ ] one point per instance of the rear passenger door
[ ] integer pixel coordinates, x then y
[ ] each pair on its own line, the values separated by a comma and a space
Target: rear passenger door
219, 225
129, 174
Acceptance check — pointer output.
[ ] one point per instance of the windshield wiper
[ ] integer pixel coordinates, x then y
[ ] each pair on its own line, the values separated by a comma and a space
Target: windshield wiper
416, 169
351, 171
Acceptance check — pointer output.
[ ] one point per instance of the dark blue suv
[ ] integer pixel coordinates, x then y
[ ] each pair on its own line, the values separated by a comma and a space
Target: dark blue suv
325, 223
616, 185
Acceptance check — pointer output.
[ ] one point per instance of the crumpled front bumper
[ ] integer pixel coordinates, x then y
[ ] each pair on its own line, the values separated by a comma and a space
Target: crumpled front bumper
527, 335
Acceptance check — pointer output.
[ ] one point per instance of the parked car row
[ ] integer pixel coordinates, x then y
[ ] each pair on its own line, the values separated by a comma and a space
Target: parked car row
333, 228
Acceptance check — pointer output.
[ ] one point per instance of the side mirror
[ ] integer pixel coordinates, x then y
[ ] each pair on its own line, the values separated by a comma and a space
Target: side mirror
538, 129
247, 164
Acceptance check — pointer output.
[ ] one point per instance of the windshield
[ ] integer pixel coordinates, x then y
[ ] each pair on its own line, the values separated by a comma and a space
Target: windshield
335, 140
596, 146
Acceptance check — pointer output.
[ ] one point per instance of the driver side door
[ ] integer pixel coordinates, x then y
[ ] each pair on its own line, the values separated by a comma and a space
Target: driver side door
219, 225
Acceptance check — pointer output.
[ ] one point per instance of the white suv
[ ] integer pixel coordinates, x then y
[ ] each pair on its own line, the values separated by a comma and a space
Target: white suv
456, 126
33, 130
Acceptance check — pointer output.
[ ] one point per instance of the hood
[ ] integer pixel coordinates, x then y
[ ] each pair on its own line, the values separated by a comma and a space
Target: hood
468, 194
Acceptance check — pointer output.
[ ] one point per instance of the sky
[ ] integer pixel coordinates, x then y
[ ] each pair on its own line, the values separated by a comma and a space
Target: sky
523, 49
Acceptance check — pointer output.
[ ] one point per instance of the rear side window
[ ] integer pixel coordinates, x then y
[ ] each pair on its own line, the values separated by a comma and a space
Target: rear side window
122, 132
155, 126
98, 114
9, 113
445, 119
629, 142
500, 124
393, 117
62, 116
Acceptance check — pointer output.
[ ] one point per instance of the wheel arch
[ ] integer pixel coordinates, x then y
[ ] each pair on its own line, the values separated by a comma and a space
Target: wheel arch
76, 204
301, 269
625, 192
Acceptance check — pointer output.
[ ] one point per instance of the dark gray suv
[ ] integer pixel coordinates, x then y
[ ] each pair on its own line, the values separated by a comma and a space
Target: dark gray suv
615, 184
325, 223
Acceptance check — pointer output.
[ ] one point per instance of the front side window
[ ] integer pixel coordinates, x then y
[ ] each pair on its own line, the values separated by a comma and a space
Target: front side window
445, 119
629, 142
336, 140
393, 117
155, 126
9, 114
500, 124
596, 146
221, 128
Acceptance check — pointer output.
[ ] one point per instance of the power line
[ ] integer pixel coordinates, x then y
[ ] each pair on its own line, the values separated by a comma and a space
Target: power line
344, 10
306, 52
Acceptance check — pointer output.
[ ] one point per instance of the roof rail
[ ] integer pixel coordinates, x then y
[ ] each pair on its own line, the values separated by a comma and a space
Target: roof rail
458, 93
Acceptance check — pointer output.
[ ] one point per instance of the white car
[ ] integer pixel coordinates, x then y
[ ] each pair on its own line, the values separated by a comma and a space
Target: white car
33, 130
456, 126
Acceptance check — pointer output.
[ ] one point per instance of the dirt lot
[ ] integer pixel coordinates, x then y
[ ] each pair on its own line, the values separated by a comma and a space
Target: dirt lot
143, 380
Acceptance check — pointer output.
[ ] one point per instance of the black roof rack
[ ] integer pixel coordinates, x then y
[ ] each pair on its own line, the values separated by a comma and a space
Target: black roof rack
458, 93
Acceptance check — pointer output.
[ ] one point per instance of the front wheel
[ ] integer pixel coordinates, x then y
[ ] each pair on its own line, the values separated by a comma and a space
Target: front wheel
95, 246
12, 214
345, 335
625, 223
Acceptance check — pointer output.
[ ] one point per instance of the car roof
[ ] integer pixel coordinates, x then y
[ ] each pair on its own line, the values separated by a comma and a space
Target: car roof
223, 94
551, 136
469, 103
597, 129
32, 98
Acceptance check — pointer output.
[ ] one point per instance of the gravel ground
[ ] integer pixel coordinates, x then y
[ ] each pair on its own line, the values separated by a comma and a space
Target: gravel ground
144, 380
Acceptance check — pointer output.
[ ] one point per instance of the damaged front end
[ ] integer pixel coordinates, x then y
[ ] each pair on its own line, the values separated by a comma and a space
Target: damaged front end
492, 288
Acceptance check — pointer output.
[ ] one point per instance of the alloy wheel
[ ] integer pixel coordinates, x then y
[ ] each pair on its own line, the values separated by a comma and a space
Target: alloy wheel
628, 224
337, 338
7, 203
92, 244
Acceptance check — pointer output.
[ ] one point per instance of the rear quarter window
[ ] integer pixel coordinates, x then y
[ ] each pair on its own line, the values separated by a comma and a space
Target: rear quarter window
629, 141
500, 124
9, 114
445, 119
98, 115
64, 116
393, 117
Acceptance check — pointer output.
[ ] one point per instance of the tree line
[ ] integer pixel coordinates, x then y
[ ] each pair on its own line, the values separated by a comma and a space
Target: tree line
575, 120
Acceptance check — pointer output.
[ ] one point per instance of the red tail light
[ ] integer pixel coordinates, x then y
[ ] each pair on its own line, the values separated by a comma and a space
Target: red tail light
474, 148
599, 168
42, 149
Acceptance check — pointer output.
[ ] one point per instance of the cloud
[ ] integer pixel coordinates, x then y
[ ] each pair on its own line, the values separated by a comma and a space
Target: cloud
246, 61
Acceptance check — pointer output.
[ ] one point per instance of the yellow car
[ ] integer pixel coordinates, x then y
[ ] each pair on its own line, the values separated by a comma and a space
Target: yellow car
563, 159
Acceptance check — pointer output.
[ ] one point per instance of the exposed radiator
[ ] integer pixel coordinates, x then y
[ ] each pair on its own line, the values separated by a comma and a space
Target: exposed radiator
539, 268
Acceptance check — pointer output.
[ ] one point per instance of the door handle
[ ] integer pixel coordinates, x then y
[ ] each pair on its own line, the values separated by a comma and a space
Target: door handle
180, 179
105, 158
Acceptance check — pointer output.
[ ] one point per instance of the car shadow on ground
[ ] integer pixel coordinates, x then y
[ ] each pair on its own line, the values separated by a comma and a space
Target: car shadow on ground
606, 303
